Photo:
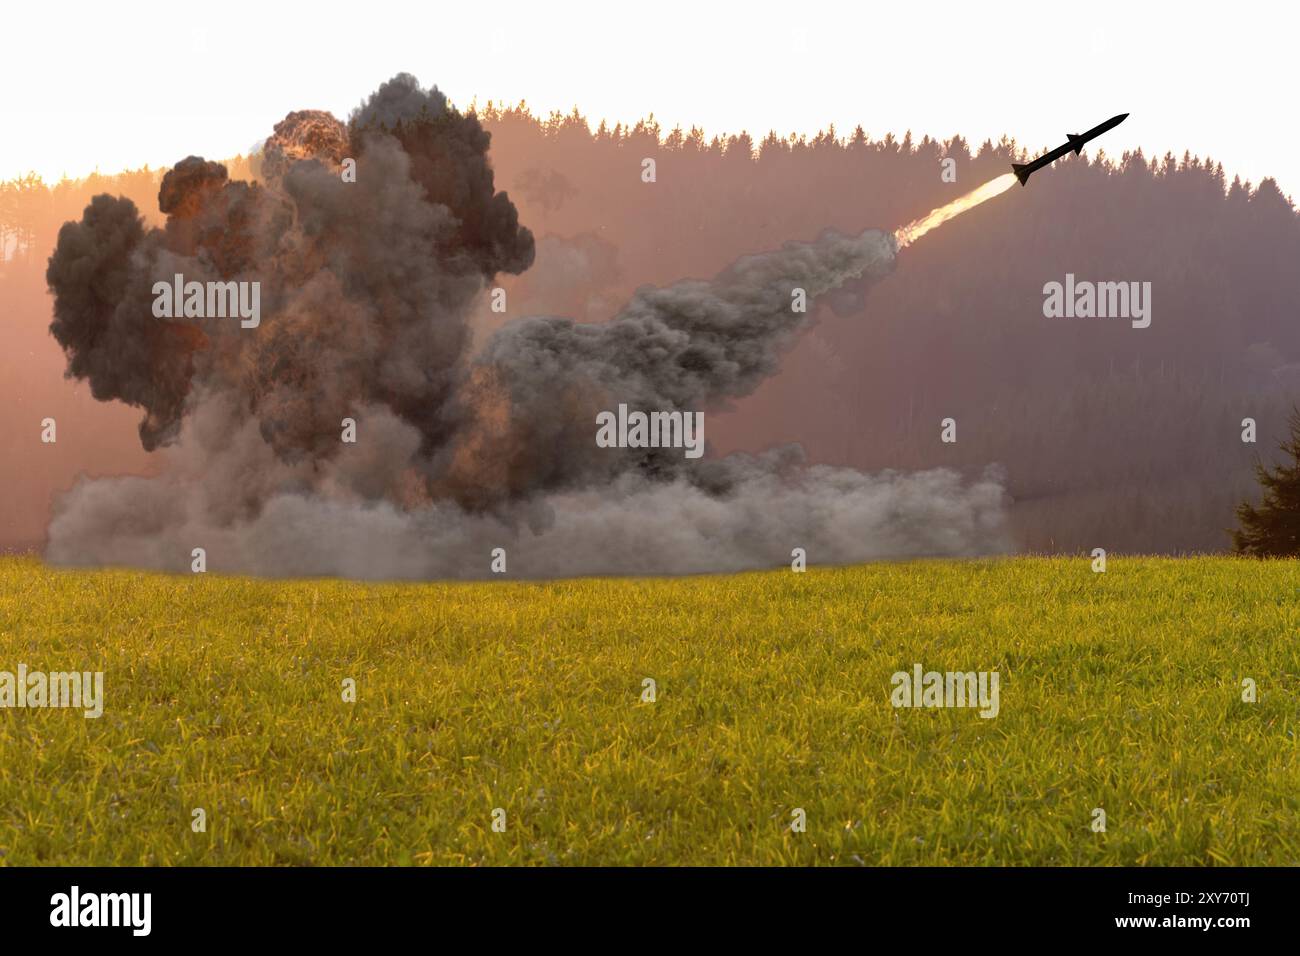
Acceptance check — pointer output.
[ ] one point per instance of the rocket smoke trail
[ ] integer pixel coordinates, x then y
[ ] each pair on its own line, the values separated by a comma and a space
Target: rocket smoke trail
367, 288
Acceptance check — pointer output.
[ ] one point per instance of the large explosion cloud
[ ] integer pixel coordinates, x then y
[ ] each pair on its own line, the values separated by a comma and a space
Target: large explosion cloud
367, 288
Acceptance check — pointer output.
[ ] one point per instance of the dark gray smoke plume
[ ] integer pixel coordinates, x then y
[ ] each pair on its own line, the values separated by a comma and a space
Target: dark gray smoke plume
367, 288
693, 345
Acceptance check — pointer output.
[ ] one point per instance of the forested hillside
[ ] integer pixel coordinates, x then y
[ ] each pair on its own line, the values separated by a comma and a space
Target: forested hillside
1110, 436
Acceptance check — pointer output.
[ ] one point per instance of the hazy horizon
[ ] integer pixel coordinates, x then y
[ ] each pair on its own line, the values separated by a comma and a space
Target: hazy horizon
727, 71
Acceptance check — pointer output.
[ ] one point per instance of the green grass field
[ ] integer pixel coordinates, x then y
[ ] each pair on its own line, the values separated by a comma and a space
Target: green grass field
1119, 691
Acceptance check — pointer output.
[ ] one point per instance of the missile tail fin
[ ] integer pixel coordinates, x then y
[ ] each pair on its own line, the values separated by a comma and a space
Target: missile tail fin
1022, 172
1076, 141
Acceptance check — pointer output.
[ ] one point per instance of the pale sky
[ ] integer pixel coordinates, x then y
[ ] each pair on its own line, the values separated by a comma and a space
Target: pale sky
116, 86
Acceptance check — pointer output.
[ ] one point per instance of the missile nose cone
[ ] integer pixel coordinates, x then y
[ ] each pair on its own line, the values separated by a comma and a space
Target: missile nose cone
1121, 118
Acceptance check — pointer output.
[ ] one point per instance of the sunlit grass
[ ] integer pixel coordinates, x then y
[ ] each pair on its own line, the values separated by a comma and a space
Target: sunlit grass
1119, 690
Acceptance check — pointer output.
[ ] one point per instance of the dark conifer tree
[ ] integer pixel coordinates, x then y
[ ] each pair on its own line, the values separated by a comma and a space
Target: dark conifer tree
1273, 529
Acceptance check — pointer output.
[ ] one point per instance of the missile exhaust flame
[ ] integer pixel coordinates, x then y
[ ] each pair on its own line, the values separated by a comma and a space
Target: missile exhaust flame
913, 231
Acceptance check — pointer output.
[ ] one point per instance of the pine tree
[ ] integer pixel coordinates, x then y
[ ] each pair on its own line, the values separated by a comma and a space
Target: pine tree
1273, 529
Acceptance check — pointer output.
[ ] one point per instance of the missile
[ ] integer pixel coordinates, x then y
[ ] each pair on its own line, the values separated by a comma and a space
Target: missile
1076, 143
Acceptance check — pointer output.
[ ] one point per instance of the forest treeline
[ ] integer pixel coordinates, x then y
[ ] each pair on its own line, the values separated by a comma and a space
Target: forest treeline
1109, 436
